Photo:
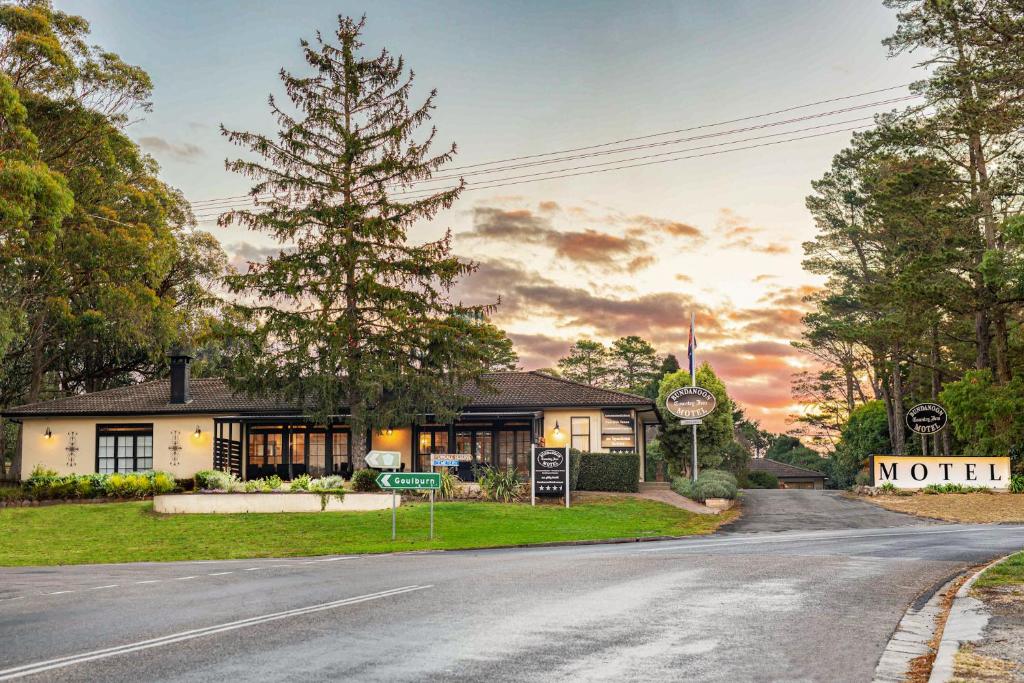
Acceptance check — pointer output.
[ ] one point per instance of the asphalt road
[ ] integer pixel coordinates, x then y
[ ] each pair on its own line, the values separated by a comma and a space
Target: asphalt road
801, 605
801, 509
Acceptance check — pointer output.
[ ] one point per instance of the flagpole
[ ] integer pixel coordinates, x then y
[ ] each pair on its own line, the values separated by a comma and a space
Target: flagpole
693, 382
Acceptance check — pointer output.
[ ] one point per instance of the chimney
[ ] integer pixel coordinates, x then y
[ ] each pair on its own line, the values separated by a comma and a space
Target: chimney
180, 361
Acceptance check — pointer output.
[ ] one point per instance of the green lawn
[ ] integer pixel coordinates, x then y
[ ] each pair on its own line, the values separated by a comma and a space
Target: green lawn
132, 532
1009, 572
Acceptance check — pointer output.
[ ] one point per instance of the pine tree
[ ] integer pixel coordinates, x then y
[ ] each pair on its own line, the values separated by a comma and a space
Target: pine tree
350, 313
587, 362
634, 363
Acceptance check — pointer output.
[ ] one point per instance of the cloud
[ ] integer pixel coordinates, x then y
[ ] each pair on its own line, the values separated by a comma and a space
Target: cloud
739, 234
647, 224
242, 254
792, 297
186, 151
549, 206
661, 317
539, 350
584, 247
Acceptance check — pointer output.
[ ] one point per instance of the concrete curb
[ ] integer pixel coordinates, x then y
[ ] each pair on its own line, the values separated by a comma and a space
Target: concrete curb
913, 635
967, 619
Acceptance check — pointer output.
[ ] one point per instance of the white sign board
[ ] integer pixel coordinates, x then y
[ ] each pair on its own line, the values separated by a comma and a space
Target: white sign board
918, 471
384, 460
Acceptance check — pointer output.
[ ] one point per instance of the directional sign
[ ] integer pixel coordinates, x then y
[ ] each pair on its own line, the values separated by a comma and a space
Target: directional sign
384, 460
445, 462
409, 480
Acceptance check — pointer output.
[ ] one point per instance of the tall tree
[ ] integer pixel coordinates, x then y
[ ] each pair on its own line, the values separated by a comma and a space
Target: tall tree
669, 364
354, 315
587, 362
634, 363
715, 438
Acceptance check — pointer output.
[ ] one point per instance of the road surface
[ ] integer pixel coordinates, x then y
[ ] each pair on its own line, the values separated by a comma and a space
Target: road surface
799, 605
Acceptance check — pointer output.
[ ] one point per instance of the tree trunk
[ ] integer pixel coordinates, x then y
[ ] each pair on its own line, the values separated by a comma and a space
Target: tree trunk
899, 431
935, 359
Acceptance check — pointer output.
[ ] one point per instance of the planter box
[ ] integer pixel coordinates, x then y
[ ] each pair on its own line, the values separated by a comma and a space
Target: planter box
230, 503
720, 504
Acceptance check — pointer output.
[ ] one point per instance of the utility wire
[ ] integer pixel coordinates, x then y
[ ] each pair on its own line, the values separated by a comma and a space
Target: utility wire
227, 205
199, 203
485, 186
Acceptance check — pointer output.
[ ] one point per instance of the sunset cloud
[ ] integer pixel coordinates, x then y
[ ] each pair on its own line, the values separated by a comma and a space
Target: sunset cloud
584, 247
185, 150
737, 233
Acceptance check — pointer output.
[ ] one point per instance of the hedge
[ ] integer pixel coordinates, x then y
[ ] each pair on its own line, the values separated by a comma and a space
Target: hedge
609, 472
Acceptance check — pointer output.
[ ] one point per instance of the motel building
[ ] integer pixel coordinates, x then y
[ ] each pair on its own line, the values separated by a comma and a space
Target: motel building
182, 425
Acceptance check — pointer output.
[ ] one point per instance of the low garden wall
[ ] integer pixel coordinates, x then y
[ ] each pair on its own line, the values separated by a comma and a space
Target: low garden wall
231, 503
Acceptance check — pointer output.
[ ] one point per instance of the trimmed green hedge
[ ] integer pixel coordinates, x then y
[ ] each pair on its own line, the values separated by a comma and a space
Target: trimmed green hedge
609, 472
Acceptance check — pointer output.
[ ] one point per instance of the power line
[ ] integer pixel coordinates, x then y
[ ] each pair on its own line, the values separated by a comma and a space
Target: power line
485, 186
199, 204
230, 205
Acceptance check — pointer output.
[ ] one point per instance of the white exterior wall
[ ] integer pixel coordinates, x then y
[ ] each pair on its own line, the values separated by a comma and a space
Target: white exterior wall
196, 452
563, 417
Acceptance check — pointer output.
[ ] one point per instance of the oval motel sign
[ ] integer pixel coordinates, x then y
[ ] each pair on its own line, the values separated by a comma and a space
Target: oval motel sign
690, 403
926, 418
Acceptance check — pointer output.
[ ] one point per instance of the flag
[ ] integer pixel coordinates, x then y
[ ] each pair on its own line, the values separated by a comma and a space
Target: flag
690, 348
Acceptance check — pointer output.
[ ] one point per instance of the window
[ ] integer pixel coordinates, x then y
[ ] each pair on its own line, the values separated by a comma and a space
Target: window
124, 448
340, 453
431, 440
317, 454
580, 429
297, 446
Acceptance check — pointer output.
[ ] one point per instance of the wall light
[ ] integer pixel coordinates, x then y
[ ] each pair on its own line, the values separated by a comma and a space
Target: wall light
48, 434
198, 432
557, 432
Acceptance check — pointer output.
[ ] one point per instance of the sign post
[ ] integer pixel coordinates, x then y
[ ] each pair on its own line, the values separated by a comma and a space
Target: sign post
387, 460
691, 405
927, 419
549, 473
409, 481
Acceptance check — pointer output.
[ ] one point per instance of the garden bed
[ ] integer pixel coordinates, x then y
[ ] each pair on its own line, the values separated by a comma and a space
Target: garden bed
234, 503
974, 508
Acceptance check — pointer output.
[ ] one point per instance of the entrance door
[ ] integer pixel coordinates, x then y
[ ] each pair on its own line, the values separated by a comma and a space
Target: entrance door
478, 443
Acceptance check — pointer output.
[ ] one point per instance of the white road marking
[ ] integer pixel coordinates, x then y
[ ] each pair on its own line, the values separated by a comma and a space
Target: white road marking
219, 573
69, 660
334, 559
96, 588
58, 592
150, 581
252, 569
17, 597
184, 578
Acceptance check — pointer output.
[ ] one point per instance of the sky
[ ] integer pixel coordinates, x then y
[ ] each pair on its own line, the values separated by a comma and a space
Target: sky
627, 251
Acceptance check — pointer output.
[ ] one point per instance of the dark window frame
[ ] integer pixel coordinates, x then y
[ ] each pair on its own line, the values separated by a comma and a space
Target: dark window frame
126, 429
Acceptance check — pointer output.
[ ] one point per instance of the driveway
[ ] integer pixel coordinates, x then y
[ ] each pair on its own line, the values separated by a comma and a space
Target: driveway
807, 510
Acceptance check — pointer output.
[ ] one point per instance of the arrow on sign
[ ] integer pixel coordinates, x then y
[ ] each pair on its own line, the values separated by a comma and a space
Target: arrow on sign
384, 460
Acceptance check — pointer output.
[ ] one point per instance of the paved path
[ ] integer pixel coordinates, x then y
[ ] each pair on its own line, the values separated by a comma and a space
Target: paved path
811, 606
803, 509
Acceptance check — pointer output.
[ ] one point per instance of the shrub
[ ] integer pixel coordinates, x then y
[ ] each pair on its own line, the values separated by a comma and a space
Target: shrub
331, 482
887, 487
609, 472
932, 489
501, 484
274, 482
683, 486
762, 480
161, 482
711, 484
301, 483
216, 480
862, 479
450, 485
256, 486
717, 475
365, 481
1017, 483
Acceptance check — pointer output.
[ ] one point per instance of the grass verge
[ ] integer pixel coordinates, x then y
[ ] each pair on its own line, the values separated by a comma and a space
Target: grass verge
132, 532
975, 508
1007, 572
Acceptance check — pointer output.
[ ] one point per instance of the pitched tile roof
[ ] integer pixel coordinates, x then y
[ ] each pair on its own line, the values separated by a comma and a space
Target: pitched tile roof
498, 390
782, 469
